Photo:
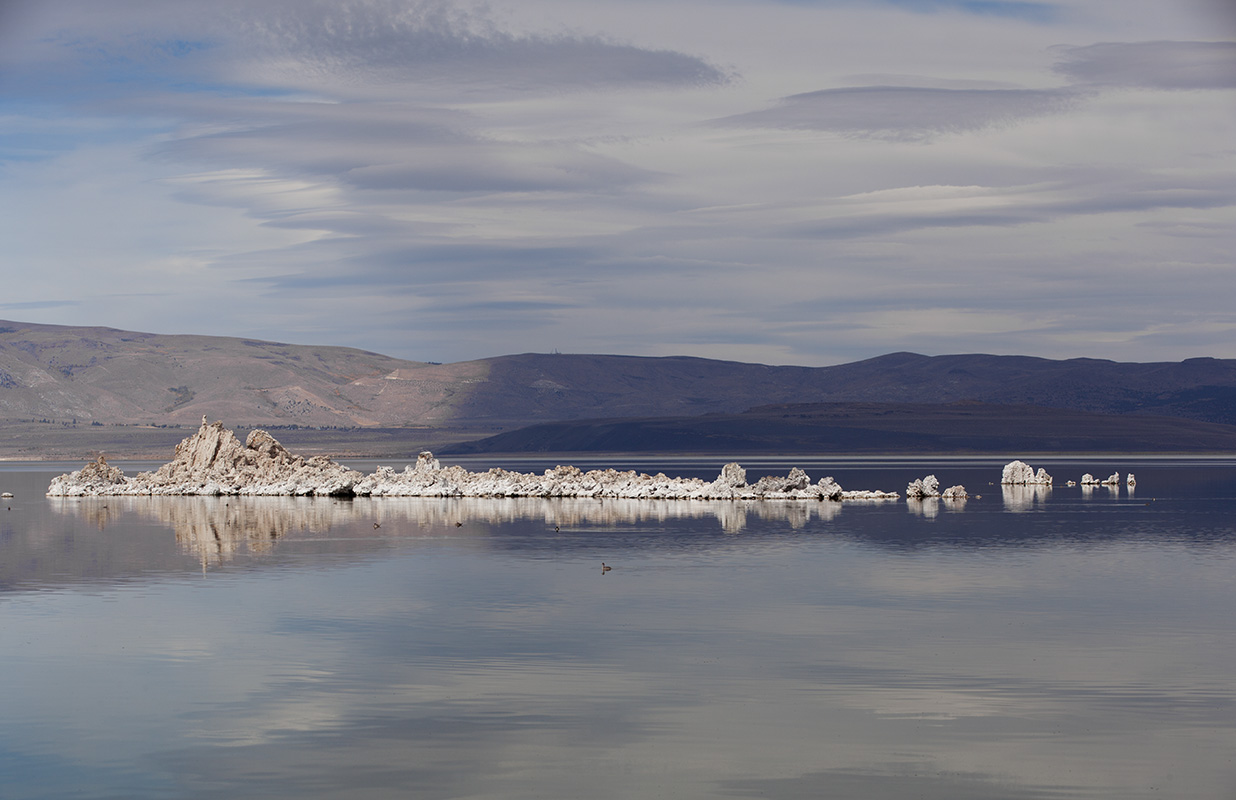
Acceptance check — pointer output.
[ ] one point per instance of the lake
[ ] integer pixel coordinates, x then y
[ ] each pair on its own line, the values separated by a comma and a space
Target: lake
1057, 644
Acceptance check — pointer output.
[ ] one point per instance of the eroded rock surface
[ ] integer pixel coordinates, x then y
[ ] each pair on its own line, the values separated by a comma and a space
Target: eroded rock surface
1019, 473
97, 477
929, 487
214, 462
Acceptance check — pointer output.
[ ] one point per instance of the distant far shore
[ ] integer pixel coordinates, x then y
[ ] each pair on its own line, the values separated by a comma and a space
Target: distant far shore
780, 433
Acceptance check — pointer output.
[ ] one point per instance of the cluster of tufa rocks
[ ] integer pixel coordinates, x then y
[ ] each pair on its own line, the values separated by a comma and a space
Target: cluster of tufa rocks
214, 462
929, 486
1019, 473
1111, 480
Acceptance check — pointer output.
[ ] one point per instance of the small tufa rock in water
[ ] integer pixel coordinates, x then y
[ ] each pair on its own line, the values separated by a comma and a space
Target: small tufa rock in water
924, 487
929, 486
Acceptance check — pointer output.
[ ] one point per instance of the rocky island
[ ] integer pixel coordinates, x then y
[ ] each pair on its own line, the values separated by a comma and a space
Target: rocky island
214, 461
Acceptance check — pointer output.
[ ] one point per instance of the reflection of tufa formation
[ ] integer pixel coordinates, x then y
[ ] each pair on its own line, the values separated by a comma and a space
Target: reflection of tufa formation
214, 462
216, 529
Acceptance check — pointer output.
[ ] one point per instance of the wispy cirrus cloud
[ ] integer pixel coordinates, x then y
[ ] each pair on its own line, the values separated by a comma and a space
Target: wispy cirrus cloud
1150, 65
775, 181
944, 207
905, 112
349, 48
918, 113
437, 42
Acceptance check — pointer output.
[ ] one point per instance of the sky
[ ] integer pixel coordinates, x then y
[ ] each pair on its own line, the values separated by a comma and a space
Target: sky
802, 182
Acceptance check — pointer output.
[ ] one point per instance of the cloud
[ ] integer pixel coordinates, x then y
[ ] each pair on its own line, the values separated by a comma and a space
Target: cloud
1010, 9
348, 48
920, 109
405, 148
1151, 65
1023, 10
885, 214
905, 112
39, 304
441, 179
435, 42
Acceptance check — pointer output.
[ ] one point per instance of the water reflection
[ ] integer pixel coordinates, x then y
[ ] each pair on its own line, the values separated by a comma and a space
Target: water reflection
1108, 489
929, 507
215, 528
1024, 497
1080, 651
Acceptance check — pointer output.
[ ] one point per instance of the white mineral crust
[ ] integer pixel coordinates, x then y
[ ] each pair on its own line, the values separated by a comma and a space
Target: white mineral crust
1018, 473
923, 488
214, 462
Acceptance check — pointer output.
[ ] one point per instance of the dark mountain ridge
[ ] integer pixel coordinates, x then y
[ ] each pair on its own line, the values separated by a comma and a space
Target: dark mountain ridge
573, 387
966, 427
90, 376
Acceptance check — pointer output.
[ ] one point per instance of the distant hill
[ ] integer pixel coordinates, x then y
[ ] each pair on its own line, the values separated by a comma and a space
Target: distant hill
61, 376
111, 376
869, 428
560, 387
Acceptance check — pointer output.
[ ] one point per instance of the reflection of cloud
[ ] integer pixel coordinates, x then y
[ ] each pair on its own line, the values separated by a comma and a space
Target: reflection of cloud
934, 702
925, 780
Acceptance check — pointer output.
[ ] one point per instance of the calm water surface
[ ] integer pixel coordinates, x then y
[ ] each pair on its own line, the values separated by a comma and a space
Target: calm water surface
1020, 645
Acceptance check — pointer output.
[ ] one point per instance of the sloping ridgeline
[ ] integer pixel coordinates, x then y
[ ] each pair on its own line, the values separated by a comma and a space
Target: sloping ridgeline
871, 428
557, 387
89, 378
